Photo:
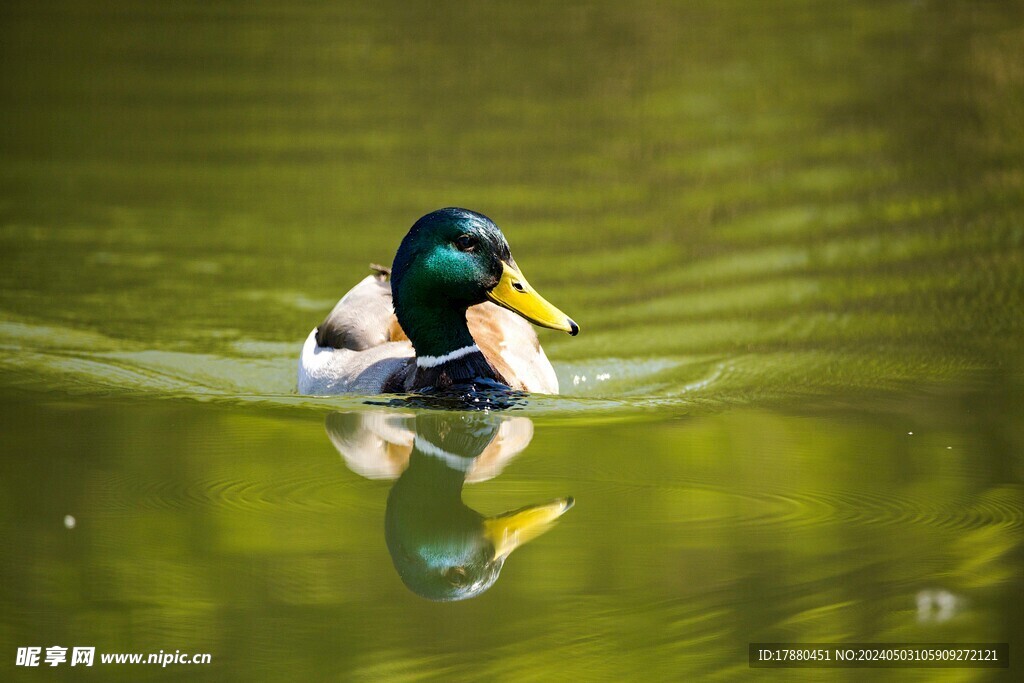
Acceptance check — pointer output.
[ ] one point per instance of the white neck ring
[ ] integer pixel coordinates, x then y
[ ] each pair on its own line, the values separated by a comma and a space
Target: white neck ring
434, 361
456, 462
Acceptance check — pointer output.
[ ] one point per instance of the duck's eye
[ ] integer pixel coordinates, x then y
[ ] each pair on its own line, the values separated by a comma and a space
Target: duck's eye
456, 575
466, 242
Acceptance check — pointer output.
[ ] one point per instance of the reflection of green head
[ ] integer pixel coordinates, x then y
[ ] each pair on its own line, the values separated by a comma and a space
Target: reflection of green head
442, 549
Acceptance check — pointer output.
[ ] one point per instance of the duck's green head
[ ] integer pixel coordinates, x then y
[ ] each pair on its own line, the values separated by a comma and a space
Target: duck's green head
452, 259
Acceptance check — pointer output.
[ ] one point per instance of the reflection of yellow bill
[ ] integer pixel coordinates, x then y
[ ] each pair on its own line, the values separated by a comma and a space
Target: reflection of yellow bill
512, 529
515, 293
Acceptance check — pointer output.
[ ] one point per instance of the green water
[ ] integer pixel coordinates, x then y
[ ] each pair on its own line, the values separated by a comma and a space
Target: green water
793, 237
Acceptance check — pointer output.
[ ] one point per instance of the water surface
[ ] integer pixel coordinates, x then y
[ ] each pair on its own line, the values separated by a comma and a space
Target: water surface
793, 239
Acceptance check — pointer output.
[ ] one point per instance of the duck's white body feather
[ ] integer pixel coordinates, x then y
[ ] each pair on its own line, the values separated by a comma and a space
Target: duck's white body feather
324, 370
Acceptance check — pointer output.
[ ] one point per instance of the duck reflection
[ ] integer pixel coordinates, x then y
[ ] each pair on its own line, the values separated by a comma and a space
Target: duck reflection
441, 548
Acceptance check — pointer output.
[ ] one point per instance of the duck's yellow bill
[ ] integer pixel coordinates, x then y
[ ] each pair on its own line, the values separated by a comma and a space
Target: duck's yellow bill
515, 293
512, 529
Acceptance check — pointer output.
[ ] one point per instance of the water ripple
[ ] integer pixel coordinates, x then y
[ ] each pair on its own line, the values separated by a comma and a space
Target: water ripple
730, 507
312, 491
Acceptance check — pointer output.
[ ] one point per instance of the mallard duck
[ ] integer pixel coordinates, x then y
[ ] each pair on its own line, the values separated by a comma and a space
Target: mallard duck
441, 548
446, 318
377, 444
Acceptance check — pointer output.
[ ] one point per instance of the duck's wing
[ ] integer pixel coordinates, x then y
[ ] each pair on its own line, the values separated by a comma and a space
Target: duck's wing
355, 349
362, 319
